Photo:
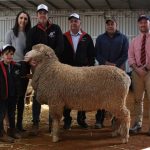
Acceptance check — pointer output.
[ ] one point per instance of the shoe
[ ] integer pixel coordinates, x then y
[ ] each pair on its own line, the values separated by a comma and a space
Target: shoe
67, 126
21, 130
98, 125
83, 124
7, 139
67, 123
148, 133
114, 123
13, 133
35, 130
136, 129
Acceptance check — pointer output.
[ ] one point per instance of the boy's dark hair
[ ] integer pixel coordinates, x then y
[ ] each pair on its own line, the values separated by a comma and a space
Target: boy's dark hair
16, 26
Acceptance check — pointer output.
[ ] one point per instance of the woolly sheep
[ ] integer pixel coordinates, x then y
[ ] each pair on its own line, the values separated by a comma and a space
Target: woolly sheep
80, 88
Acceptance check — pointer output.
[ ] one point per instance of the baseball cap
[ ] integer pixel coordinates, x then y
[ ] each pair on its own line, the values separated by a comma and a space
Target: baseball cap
143, 17
6, 47
110, 18
74, 15
42, 7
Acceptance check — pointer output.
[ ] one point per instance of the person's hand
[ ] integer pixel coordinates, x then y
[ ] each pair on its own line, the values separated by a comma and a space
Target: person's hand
33, 62
109, 63
148, 66
141, 71
29, 76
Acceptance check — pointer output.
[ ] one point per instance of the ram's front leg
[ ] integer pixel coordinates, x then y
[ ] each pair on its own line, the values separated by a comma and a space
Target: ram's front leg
55, 129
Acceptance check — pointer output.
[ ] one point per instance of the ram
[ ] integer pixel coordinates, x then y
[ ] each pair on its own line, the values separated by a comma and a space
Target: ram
79, 88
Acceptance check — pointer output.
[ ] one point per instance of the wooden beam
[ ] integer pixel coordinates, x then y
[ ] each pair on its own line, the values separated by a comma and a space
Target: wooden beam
32, 3
108, 3
129, 3
17, 4
70, 4
52, 4
3, 5
89, 4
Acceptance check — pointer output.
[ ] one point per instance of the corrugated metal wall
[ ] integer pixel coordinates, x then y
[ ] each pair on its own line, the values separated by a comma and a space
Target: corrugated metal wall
92, 22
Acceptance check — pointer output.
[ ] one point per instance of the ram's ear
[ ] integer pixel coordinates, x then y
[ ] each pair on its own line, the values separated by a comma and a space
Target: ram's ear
49, 54
39, 47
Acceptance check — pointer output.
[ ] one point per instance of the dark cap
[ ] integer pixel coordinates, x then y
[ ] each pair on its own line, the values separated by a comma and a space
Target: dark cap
143, 17
113, 19
6, 47
42, 7
74, 15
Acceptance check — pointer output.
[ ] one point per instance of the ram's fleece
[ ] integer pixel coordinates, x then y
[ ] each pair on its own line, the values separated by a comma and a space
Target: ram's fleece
80, 88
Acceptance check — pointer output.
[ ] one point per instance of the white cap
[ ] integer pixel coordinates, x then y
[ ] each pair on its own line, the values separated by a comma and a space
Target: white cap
74, 15
42, 6
8, 46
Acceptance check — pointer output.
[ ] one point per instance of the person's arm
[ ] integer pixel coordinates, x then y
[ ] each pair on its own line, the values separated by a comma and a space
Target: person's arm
91, 52
124, 55
101, 60
132, 61
59, 43
8, 38
29, 41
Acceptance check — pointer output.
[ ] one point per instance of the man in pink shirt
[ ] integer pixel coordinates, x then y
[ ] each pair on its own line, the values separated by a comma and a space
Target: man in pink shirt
139, 61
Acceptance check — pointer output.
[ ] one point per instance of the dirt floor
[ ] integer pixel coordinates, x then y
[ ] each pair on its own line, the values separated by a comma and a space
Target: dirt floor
80, 139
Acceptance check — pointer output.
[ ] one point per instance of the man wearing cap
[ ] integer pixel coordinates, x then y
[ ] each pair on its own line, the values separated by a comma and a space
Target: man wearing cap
111, 49
78, 51
47, 33
139, 61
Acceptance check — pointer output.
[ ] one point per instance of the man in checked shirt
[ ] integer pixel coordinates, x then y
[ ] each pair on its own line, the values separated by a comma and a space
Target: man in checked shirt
139, 61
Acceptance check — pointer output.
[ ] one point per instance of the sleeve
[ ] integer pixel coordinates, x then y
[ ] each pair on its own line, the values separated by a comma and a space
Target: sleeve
101, 60
124, 54
8, 38
59, 43
91, 52
29, 41
131, 56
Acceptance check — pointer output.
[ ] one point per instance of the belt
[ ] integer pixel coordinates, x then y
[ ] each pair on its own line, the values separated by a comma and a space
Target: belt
145, 68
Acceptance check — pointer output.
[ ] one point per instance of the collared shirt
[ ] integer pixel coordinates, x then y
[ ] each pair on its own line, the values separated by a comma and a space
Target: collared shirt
75, 39
134, 53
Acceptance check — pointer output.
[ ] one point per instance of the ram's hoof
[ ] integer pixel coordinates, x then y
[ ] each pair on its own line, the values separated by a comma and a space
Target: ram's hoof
114, 134
125, 140
55, 139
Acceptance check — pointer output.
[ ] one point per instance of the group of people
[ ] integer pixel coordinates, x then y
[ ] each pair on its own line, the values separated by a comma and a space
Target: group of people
76, 48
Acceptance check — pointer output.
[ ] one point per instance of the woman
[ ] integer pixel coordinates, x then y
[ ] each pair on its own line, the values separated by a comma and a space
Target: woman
17, 38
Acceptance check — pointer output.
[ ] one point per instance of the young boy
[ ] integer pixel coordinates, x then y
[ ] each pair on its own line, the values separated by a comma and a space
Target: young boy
9, 74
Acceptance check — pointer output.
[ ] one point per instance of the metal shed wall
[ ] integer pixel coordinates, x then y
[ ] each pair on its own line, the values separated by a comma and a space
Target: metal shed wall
93, 22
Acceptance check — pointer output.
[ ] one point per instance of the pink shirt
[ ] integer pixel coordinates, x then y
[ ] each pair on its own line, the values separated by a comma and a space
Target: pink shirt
134, 52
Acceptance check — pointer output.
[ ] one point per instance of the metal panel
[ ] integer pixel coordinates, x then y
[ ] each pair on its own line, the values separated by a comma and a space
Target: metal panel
93, 22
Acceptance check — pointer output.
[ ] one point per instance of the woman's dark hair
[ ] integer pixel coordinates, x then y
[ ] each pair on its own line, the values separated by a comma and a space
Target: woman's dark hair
16, 26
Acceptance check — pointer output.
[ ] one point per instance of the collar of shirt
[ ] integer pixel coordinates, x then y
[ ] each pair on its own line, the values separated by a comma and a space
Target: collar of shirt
75, 39
147, 34
77, 34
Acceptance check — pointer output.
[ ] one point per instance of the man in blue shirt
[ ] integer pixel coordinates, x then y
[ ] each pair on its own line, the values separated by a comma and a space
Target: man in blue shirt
111, 49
